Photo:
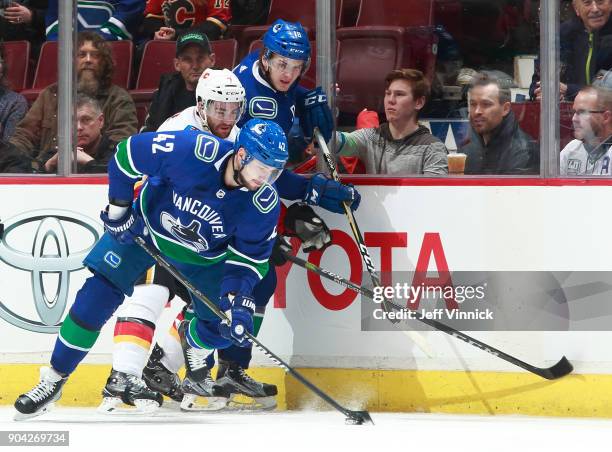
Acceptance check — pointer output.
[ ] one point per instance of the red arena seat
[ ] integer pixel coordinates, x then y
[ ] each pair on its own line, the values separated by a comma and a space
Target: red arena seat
402, 13
17, 57
226, 53
365, 56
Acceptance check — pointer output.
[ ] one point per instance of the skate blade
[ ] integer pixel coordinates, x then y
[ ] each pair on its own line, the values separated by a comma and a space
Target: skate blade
114, 406
25, 416
239, 402
192, 402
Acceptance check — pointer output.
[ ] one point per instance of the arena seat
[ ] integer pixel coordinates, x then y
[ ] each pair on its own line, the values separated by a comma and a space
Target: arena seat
157, 59
17, 57
401, 13
309, 79
47, 66
123, 56
528, 116
365, 56
349, 11
226, 53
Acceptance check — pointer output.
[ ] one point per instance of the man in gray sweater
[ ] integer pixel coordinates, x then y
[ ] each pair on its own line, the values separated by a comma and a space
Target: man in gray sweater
399, 147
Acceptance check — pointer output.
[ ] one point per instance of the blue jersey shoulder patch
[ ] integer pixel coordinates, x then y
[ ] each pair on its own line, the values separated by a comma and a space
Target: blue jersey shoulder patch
265, 199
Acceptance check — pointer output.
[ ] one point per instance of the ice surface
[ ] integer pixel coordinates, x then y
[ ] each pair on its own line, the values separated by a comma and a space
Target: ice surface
174, 431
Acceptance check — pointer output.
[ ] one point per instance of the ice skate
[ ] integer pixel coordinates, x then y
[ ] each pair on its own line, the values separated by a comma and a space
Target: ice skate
159, 378
198, 385
246, 393
128, 394
41, 398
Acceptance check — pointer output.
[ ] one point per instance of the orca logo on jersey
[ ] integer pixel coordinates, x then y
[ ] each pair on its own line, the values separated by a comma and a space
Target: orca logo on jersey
263, 107
59, 241
187, 235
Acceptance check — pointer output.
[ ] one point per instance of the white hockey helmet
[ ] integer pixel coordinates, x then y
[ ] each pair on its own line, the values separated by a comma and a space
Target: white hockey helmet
216, 87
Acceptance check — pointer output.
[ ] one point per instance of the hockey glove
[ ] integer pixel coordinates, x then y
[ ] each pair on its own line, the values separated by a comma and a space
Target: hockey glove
330, 195
239, 309
316, 113
302, 222
126, 227
281, 246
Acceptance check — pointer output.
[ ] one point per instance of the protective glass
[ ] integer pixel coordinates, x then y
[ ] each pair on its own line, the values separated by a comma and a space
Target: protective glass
259, 172
287, 65
224, 111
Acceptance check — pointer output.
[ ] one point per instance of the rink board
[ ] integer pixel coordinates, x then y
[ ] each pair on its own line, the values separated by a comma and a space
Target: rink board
511, 225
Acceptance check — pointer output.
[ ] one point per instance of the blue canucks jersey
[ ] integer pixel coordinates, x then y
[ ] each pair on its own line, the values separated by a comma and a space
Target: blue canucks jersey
116, 19
262, 100
191, 214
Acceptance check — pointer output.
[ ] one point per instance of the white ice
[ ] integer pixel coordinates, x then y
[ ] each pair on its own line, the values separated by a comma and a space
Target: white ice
174, 431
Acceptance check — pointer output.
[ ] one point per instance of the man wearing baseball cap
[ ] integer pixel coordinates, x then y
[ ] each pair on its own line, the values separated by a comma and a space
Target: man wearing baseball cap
177, 90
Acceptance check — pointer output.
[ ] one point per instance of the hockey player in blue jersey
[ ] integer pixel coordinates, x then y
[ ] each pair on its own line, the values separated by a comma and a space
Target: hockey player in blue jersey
136, 319
211, 208
271, 80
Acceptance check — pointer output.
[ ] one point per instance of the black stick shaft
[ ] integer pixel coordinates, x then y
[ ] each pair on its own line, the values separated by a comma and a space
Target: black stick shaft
363, 250
560, 369
213, 307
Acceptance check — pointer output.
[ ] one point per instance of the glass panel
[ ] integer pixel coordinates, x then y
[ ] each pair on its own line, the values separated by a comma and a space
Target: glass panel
586, 99
27, 123
475, 57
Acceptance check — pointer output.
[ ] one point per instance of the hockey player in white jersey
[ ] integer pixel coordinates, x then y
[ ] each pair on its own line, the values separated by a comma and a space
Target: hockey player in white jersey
220, 101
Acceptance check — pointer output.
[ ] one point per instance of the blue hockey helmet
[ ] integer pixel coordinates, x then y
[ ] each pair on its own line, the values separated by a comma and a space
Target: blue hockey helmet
266, 147
287, 39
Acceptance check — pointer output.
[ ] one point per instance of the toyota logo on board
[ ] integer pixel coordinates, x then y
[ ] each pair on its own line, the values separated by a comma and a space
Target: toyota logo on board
45, 249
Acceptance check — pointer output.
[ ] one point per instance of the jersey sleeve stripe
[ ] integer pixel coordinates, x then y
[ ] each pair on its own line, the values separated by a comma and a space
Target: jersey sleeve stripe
124, 160
242, 256
259, 270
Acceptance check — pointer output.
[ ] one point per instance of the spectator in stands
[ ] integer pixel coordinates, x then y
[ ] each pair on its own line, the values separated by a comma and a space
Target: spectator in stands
585, 47
13, 106
94, 149
400, 146
165, 19
496, 145
177, 90
115, 20
37, 132
590, 152
24, 20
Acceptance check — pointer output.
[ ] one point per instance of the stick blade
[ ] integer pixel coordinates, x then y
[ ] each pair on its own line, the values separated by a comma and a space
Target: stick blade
561, 369
359, 418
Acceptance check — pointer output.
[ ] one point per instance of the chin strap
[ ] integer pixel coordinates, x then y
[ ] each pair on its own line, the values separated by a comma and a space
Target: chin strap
237, 174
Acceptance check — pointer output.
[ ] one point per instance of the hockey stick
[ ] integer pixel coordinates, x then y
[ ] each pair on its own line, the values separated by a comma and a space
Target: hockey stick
363, 250
352, 417
560, 369
417, 338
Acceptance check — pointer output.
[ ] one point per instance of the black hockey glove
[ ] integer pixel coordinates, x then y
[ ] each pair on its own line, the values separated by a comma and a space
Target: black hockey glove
281, 246
302, 222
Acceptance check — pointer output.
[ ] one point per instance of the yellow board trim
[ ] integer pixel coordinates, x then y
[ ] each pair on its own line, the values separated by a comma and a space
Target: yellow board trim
380, 390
